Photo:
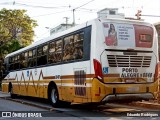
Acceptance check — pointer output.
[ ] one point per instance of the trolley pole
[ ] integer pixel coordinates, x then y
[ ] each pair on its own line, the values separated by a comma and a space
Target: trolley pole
66, 21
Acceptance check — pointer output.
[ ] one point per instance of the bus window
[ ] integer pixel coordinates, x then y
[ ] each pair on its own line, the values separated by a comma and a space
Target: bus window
51, 55
26, 55
52, 47
39, 51
68, 48
34, 53
16, 62
22, 56
45, 49
59, 45
58, 53
10, 60
11, 66
42, 55
30, 54
30, 58
23, 60
34, 60
78, 46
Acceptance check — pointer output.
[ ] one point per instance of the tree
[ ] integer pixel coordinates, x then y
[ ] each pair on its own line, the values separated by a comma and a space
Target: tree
16, 24
16, 31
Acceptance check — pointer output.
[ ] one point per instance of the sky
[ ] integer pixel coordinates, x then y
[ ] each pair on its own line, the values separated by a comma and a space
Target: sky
51, 13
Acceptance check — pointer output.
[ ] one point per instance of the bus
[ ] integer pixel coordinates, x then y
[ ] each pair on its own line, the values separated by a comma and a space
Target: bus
95, 62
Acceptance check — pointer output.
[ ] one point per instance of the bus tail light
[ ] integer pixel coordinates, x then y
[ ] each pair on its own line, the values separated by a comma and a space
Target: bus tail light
157, 71
98, 69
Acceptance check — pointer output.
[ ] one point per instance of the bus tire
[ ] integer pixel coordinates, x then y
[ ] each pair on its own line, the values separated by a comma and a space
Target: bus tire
54, 97
12, 95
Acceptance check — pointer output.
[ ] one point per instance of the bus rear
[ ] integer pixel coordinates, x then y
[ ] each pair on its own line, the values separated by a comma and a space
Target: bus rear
126, 61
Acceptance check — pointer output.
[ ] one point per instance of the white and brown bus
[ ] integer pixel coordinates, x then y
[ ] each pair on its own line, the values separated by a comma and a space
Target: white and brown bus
96, 61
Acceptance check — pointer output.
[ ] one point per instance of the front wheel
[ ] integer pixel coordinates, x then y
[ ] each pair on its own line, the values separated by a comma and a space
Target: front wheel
12, 94
54, 97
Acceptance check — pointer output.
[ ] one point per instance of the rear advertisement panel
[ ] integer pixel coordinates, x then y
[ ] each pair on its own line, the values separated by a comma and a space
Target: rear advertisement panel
128, 35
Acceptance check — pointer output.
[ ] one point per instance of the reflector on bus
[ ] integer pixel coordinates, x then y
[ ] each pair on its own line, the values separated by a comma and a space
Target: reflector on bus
98, 69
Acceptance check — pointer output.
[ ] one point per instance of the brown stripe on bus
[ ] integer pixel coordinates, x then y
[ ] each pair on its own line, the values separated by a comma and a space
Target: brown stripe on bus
49, 77
90, 75
10, 79
72, 76
111, 75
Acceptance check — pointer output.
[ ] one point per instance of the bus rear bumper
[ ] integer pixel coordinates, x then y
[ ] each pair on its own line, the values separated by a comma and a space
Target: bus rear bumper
128, 97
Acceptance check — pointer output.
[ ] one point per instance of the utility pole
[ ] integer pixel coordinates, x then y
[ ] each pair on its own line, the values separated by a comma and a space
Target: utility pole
78, 8
66, 21
73, 17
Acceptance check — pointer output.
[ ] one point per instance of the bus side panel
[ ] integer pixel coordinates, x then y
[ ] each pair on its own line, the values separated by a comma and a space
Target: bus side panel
153, 88
23, 90
31, 91
41, 91
59, 92
5, 87
67, 93
16, 88
45, 91
98, 90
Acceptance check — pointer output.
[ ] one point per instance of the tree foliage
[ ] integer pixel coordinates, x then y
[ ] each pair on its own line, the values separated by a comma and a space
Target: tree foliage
16, 24
16, 31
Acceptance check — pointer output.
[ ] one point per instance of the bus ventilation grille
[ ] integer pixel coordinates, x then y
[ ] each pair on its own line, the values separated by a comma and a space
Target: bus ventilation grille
128, 61
79, 82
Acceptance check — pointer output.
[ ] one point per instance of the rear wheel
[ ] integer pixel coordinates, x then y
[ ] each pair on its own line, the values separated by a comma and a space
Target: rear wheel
54, 97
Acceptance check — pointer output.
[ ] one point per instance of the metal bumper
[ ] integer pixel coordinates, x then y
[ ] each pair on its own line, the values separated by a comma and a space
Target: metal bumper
128, 97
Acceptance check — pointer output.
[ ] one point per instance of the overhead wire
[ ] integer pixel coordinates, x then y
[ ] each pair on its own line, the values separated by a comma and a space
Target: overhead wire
57, 7
5, 3
83, 4
37, 6
51, 13
90, 11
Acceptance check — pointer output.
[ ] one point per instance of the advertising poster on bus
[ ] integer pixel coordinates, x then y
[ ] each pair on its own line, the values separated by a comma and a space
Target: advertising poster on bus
119, 34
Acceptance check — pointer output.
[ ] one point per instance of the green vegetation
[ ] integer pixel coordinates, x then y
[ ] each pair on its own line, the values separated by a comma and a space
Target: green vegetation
16, 31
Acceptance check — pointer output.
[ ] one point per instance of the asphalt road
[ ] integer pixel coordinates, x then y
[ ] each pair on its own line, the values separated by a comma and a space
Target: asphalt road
20, 110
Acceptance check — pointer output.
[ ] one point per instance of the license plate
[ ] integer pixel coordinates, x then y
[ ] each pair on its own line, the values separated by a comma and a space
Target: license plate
130, 81
133, 89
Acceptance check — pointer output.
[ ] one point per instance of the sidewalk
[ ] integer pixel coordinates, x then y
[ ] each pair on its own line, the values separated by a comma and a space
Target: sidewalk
3, 94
